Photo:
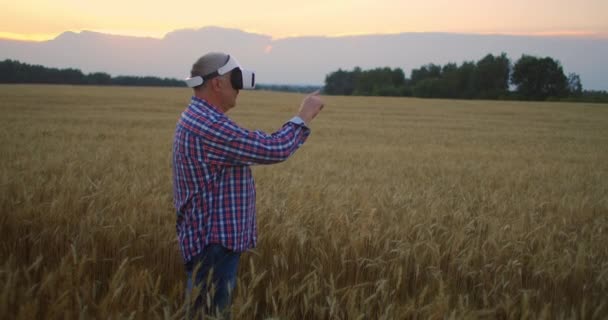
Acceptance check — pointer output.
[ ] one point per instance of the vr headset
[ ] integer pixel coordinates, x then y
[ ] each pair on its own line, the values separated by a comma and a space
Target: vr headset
240, 78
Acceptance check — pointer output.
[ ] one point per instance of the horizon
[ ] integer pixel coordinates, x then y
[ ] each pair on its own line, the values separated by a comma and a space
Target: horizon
268, 84
562, 34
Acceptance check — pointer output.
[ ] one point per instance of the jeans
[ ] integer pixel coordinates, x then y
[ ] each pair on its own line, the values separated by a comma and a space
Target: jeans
214, 273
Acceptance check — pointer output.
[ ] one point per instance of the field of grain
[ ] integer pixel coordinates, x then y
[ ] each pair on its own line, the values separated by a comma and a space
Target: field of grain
393, 209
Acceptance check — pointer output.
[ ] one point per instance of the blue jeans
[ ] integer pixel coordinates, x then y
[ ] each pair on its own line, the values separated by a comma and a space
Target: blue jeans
214, 272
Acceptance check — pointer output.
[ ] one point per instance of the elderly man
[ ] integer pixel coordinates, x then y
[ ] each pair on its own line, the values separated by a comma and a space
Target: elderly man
214, 191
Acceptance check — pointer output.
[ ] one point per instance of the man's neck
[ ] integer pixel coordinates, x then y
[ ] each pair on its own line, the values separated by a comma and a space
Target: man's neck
211, 100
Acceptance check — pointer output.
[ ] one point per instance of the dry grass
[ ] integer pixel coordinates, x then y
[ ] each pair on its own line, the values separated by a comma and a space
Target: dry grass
394, 209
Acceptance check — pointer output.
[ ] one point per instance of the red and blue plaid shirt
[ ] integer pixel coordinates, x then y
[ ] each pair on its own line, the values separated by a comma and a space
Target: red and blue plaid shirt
213, 188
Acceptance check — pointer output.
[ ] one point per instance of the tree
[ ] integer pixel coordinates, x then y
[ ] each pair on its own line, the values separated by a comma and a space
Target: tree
466, 80
448, 86
99, 78
539, 78
575, 87
380, 82
376, 82
341, 82
429, 71
492, 76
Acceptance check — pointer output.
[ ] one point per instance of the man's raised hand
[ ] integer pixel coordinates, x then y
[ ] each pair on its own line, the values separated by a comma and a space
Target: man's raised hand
310, 107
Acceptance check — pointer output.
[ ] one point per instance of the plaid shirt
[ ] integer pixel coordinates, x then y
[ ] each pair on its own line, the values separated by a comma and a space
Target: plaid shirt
213, 187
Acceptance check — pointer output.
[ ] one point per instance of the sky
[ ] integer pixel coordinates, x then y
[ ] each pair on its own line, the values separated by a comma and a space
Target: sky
39, 20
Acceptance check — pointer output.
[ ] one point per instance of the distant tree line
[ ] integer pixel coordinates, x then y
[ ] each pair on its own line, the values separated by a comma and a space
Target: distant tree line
12, 71
288, 88
489, 78
492, 77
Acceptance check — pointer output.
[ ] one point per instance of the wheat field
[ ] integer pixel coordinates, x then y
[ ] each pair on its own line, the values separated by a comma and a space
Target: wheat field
395, 208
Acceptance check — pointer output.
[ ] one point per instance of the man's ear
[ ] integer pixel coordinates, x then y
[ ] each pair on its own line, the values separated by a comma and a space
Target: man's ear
216, 84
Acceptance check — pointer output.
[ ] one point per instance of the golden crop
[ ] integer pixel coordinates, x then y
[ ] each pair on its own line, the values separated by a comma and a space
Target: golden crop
394, 208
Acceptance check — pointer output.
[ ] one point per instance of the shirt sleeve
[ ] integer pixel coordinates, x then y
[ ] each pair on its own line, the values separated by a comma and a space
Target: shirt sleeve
297, 120
228, 144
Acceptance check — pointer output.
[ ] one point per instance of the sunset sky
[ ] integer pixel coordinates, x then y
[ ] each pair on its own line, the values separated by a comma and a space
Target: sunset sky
43, 20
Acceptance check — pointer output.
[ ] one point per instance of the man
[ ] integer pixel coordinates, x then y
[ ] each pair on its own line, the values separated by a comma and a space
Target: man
214, 191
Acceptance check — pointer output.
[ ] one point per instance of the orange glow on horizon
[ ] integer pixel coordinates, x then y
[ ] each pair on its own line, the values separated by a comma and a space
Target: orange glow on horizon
156, 35
27, 37
563, 33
